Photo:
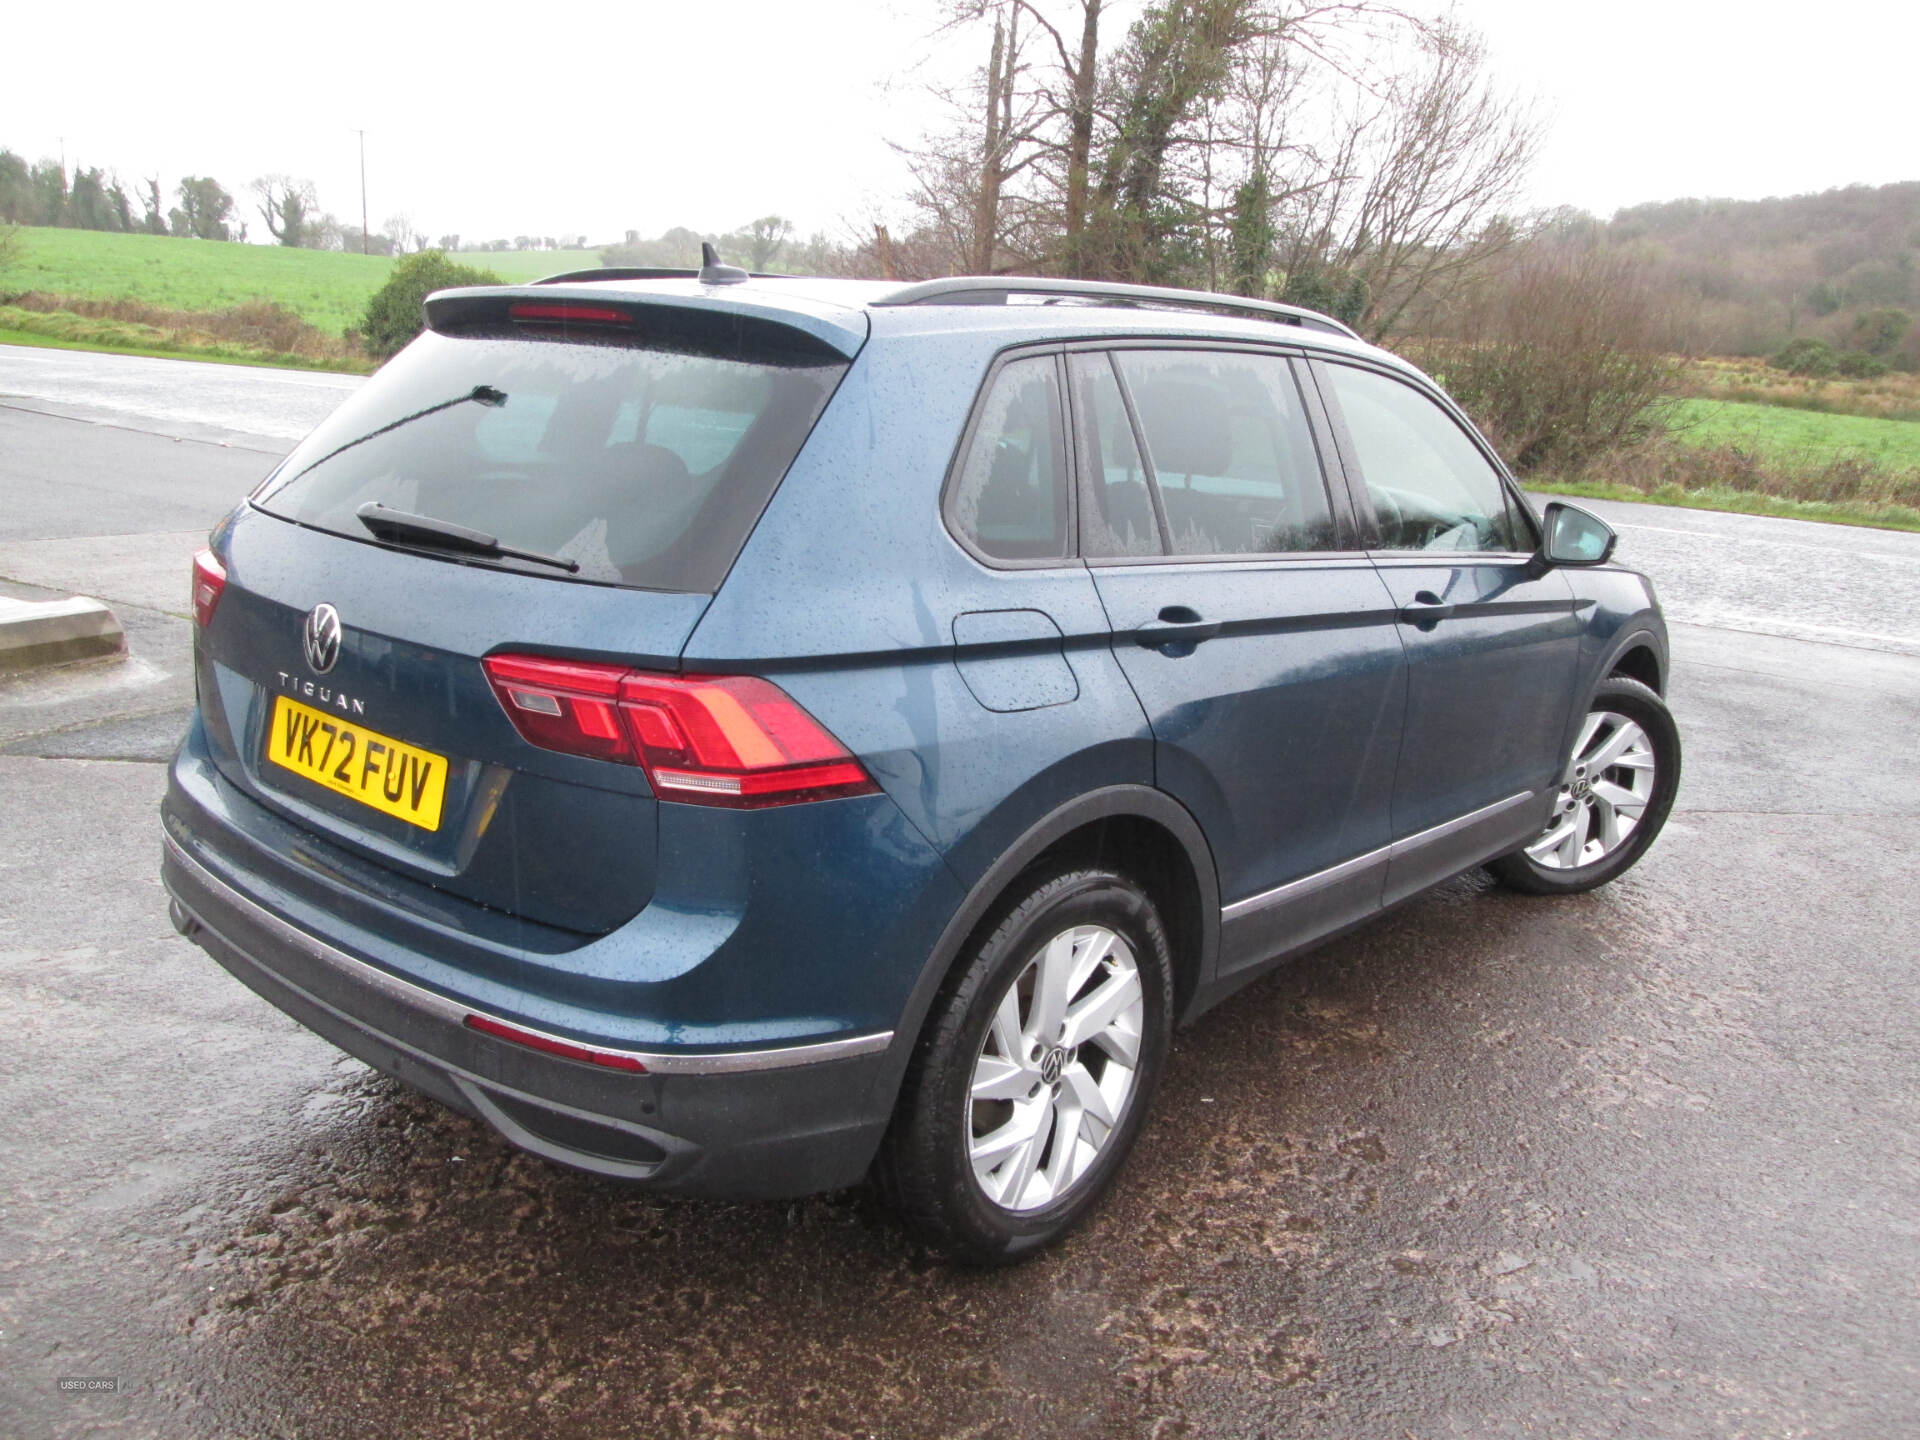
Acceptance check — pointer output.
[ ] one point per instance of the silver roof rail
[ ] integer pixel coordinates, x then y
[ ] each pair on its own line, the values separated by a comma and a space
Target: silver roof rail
999, 289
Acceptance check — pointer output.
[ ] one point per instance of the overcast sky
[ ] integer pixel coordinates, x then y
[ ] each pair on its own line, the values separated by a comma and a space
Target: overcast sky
493, 122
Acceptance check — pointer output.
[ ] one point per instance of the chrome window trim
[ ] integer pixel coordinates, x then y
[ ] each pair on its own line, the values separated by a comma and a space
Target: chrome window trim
1333, 874
725, 1062
1444, 559
1314, 559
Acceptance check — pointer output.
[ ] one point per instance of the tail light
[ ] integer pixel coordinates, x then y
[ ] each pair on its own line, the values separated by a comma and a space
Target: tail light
732, 740
209, 579
568, 314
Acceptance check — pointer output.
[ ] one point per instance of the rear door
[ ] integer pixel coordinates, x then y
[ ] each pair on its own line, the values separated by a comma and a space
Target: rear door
1492, 643
1257, 636
341, 674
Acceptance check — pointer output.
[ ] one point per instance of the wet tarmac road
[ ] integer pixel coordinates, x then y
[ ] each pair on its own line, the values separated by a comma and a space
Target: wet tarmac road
1642, 1163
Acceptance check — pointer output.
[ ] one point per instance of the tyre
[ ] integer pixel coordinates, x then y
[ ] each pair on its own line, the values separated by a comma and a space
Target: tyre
1614, 796
1034, 1071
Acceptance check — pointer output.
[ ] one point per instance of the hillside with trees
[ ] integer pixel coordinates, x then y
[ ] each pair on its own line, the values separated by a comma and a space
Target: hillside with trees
1841, 267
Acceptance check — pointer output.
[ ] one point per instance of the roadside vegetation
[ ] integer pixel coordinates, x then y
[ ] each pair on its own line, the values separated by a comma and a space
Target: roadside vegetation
1353, 158
222, 300
393, 314
258, 332
1753, 381
1762, 459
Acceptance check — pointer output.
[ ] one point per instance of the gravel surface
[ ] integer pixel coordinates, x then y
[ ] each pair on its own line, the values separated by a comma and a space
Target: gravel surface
1640, 1163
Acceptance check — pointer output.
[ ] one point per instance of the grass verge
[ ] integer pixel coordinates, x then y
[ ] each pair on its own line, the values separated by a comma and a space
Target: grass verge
62, 330
1741, 502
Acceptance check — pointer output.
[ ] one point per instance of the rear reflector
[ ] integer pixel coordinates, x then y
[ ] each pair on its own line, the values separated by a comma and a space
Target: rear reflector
569, 315
533, 1040
209, 580
732, 740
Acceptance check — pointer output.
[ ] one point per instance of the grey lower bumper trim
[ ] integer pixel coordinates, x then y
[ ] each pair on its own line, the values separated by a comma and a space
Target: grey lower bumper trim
722, 1062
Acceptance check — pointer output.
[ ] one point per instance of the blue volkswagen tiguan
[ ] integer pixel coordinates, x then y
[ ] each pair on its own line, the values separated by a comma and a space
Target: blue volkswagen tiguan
743, 734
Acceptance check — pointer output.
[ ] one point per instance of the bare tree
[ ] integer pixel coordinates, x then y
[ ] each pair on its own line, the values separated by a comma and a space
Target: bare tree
969, 216
1562, 350
1421, 172
1341, 150
997, 141
286, 204
765, 237
404, 234
154, 222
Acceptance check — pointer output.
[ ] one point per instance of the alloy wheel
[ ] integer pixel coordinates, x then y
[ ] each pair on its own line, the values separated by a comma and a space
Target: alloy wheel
1057, 1068
1606, 790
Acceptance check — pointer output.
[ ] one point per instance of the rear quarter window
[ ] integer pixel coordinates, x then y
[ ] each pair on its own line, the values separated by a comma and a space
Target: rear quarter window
1009, 497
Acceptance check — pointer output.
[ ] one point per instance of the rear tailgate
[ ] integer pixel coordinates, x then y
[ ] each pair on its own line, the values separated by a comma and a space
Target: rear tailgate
558, 839
341, 670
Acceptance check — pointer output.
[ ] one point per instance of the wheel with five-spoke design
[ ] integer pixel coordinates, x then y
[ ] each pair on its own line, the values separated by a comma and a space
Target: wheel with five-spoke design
1034, 1071
1614, 795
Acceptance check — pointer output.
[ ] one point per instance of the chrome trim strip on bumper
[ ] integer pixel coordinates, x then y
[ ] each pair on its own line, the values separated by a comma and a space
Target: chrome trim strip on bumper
1320, 879
724, 1062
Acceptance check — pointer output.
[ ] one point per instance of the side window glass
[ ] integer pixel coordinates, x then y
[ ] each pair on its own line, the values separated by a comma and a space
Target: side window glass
1429, 485
1010, 496
1116, 508
1232, 452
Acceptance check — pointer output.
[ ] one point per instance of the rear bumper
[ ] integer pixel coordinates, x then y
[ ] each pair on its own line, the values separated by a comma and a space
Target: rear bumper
787, 1120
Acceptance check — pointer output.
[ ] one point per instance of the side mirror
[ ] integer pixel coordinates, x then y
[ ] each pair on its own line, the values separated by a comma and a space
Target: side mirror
1575, 537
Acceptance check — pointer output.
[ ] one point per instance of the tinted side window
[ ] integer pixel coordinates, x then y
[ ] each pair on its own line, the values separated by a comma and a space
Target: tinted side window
1232, 452
1429, 485
1010, 497
1117, 516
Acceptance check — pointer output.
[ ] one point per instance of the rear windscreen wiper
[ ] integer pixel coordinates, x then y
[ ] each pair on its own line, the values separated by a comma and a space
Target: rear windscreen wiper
479, 395
445, 535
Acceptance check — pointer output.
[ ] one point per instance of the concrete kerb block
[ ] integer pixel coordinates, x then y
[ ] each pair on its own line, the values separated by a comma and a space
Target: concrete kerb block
34, 633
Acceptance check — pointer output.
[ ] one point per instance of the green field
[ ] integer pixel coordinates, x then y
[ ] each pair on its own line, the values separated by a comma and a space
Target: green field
1797, 436
517, 265
325, 287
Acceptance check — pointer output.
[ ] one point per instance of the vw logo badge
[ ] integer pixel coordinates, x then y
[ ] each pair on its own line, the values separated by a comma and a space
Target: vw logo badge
321, 638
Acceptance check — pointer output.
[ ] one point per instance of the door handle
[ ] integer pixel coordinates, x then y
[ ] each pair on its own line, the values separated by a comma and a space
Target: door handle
1426, 610
1179, 625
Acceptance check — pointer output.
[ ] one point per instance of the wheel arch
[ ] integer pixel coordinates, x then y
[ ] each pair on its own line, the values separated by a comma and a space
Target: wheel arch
1135, 828
1638, 657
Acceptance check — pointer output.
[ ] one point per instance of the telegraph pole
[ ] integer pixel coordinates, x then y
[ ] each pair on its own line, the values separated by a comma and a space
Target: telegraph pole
363, 193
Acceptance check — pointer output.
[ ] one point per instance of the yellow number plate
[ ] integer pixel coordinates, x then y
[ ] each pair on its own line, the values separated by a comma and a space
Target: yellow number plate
374, 769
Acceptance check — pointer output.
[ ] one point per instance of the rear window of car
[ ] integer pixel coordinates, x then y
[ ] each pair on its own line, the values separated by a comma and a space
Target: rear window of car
644, 464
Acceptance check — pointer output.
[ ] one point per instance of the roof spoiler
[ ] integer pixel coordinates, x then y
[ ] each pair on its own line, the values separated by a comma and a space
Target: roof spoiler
802, 332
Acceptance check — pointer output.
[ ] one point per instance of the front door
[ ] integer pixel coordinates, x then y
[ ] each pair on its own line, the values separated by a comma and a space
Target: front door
1260, 641
1492, 641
